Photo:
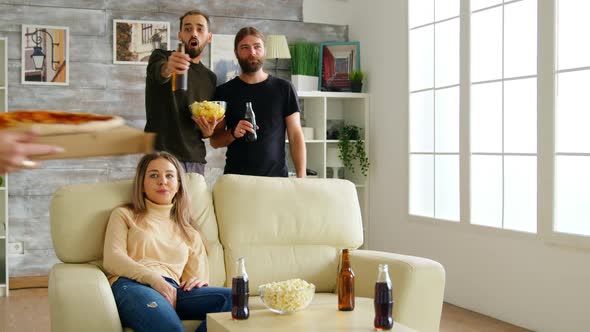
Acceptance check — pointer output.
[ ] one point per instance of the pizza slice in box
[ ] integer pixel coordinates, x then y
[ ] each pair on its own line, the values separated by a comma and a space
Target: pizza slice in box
80, 134
58, 122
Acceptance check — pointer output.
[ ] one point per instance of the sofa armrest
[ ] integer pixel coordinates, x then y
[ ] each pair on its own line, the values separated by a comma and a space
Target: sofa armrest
418, 286
80, 299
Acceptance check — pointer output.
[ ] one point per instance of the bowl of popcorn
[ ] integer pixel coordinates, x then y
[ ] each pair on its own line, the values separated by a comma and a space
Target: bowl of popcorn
208, 109
285, 297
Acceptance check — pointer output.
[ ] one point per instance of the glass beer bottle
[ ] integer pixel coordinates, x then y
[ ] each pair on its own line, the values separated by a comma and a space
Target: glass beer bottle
250, 117
240, 292
180, 81
345, 284
383, 300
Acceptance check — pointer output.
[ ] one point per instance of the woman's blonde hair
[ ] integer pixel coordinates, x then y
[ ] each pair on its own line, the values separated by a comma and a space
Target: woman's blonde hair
180, 213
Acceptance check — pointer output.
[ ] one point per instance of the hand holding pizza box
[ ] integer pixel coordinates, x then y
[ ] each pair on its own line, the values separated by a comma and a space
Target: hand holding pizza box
79, 134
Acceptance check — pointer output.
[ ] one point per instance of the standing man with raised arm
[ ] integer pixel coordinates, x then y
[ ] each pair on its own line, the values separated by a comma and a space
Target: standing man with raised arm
175, 125
276, 106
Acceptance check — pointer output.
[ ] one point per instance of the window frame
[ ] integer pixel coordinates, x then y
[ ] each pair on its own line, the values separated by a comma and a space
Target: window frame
546, 156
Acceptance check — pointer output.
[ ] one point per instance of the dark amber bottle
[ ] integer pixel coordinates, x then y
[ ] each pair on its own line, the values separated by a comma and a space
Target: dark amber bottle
180, 81
345, 284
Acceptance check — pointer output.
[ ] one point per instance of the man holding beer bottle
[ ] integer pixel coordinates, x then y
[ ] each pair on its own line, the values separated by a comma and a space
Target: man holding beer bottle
168, 113
275, 106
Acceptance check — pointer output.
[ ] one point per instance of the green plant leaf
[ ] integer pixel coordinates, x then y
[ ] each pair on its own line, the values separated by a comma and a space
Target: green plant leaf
304, 58
352, 148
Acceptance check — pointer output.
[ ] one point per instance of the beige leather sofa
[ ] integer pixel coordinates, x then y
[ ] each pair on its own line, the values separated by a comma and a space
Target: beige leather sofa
285, 228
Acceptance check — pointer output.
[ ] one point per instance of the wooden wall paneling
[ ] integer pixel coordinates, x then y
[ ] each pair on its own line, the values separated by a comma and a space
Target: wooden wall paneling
14, 42
80, 21
93, 162
63, 98
126, 77
27, 230
126, 103
136, 5
30, 206
83, 4
86, 75
289, 10
126, 173
46, 181
34, 262
293, 30
90, 49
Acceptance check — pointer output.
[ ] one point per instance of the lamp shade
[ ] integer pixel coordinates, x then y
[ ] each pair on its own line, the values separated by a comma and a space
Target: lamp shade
277, 47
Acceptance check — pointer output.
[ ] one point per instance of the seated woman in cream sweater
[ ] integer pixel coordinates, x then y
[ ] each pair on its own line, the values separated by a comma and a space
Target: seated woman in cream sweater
156, 261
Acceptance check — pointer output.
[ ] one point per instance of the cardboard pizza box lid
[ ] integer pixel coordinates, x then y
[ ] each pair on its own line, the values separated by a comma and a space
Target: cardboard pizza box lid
117, 141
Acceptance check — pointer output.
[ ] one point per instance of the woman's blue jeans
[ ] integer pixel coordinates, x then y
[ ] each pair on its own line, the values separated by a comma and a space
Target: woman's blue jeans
142, 308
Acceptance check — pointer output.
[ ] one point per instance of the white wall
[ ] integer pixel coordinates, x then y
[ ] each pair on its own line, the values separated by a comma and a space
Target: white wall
517, 279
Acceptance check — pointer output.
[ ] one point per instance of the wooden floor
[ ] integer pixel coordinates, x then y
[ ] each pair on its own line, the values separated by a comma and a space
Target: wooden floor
28, 310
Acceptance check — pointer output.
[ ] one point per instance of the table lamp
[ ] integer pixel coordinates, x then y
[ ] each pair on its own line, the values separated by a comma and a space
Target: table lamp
277, 48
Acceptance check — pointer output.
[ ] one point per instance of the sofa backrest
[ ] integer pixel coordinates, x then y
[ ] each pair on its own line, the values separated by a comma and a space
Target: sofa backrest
79, 215
287, 228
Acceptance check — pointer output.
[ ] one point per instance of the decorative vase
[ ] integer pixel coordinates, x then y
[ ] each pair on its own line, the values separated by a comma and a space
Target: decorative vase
356, 86
304, 82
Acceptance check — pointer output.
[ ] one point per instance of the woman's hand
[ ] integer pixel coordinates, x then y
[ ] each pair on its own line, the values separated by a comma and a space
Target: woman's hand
187, 285
167, 291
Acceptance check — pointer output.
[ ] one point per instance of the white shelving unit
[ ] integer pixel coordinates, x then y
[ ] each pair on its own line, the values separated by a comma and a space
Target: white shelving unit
3, 187
323, 109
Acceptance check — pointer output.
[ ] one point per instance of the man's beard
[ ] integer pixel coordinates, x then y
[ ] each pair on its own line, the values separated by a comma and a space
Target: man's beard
249, 67
193, 52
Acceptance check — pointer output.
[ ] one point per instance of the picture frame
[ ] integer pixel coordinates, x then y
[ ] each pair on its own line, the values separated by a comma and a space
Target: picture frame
337, 60
45, 54
134, 41
223, 59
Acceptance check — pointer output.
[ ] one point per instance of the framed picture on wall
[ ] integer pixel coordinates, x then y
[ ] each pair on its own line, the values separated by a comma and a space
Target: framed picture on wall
45, 55
337, 60
134, 41
223, 60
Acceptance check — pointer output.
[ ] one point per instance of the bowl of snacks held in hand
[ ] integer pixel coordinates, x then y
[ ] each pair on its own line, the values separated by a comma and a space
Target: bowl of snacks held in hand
208, 109
285, 297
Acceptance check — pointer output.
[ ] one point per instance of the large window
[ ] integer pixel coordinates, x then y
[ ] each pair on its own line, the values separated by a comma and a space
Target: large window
434, 110
495, 107
572, 119
503, 127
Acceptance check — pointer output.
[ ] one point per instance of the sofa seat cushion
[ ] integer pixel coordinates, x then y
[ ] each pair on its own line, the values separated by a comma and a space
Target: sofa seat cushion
297, 231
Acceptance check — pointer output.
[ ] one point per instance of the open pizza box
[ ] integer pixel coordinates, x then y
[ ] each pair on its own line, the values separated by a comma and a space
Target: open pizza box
117, 141
79, 134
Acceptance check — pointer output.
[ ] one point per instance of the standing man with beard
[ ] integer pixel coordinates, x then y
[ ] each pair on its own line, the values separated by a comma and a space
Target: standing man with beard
175, 126
276, 106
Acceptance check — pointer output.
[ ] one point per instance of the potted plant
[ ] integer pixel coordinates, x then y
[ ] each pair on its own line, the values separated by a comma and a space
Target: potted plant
352, 147
305, 57
356, 80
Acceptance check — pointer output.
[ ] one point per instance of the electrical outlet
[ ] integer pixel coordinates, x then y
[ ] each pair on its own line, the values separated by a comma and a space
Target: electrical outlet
16, 248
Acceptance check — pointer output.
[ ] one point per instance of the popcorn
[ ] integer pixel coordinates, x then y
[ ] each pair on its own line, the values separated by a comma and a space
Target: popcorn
287, 296
208, 109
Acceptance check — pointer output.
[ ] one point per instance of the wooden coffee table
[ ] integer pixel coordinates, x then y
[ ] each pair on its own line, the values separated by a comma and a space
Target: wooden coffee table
316, 317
